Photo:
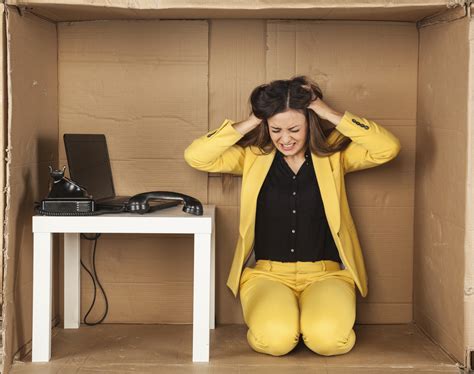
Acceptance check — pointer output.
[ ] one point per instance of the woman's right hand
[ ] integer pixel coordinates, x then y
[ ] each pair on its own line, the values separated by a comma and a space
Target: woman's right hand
247, 125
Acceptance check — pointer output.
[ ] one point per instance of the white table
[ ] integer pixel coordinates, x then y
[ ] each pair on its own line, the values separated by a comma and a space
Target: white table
167, 221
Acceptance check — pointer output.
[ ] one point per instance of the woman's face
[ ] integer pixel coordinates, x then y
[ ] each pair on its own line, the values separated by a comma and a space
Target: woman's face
290, 129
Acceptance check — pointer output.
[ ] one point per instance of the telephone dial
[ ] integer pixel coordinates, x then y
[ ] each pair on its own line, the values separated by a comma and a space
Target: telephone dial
67, 198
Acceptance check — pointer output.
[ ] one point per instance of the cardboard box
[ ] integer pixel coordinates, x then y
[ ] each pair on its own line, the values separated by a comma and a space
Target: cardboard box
153, 76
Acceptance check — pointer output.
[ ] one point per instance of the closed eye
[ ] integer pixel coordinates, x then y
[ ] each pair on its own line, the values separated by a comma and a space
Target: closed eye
275, 132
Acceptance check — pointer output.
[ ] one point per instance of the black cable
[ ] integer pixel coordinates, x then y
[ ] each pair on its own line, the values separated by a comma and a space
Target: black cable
94, 282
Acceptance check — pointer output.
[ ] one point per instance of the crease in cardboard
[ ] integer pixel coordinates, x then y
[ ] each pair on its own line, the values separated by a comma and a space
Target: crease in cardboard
448, 15
132, 118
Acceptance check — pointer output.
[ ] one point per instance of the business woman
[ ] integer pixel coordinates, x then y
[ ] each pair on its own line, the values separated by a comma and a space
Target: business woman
295, 215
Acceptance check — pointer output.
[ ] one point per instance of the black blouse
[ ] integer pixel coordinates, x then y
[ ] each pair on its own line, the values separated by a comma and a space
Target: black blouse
291, 224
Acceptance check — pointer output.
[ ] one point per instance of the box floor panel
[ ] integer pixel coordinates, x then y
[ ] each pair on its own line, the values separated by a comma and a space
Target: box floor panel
121, 348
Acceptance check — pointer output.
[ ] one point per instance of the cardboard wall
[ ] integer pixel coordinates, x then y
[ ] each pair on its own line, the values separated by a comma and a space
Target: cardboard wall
441, 167
236, 65
33, 146
153, 86
144, 84
3, 132
469, 238
388, 10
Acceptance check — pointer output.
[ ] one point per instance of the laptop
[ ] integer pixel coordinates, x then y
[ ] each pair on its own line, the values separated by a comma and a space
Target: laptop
89, 166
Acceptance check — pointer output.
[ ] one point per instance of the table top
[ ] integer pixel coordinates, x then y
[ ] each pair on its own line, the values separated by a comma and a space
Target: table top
169, 220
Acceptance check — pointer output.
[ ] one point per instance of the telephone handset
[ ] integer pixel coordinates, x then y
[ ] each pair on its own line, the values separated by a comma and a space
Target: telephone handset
140, 203
67, 198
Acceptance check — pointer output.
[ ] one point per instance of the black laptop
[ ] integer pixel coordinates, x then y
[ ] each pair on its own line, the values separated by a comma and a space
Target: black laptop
89, 166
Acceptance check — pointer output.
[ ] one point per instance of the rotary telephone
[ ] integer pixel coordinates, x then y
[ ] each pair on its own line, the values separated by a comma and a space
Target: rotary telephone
67, 198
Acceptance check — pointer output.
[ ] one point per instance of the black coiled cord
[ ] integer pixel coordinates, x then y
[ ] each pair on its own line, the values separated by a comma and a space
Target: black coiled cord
94, 239
70, 214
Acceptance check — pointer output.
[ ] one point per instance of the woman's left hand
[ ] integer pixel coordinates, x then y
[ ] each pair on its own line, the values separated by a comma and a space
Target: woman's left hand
325, 112
321, 108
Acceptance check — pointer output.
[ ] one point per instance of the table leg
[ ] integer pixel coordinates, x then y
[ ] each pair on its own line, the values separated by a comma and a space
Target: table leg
201, 297
42, 296
72, 280
212, 315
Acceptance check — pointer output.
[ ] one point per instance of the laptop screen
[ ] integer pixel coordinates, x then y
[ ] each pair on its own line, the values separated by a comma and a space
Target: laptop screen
89, 164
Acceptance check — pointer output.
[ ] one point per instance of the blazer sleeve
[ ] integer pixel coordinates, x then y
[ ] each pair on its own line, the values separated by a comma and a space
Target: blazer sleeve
371, 145
216, 151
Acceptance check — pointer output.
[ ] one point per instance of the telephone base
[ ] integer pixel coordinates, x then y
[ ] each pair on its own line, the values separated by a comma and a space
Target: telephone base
68, 205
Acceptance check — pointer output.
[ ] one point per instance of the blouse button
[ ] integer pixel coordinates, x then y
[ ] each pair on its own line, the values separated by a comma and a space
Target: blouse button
294, 211
292, 250
294, 176
294, 193
293, 231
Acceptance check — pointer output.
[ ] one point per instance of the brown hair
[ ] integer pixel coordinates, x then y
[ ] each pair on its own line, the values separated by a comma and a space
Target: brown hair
278, 96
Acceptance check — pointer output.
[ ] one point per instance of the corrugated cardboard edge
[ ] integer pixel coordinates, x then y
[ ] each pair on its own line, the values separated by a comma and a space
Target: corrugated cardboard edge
82, 10
235, 4
17, 305
469, 238
3, 111
6, 362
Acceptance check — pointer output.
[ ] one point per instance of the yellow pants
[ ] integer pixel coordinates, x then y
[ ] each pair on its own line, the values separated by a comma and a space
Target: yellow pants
281, 300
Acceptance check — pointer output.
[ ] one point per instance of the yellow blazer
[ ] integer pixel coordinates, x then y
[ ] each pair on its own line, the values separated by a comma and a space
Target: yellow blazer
371, 145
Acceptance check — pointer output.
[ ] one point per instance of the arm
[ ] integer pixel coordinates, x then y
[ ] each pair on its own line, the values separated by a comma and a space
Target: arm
217, 152
371, 145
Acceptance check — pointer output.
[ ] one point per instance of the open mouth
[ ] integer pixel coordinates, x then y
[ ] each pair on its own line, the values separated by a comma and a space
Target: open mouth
289, 147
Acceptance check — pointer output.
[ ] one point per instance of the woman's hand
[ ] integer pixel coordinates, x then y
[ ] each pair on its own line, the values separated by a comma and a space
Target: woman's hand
254, 120
248, 125
324, 111
320, 108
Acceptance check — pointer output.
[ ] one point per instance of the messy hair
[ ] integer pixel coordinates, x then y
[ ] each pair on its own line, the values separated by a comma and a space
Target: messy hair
278, 96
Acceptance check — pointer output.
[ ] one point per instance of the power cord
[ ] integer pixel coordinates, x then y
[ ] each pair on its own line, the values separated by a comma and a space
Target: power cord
94, 239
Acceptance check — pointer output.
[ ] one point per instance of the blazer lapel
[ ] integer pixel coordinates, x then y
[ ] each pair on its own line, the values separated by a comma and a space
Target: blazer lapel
327, 186
254, 181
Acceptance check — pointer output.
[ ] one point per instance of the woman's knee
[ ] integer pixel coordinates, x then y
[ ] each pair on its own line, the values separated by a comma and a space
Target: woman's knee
276, 339
326, 338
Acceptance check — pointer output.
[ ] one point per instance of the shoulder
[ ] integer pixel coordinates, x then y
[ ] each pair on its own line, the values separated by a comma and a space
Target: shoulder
254, 151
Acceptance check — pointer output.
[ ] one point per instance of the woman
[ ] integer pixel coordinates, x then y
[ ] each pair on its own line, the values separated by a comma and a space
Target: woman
295, 214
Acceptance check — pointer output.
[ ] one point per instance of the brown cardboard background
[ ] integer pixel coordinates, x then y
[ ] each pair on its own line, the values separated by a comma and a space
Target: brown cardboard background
441, 159
236, 66
3, 133
432, 231
469, 238
32, 145
144, 85
113, 84
389, 10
